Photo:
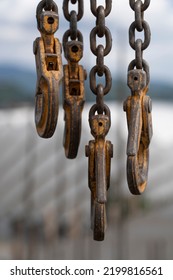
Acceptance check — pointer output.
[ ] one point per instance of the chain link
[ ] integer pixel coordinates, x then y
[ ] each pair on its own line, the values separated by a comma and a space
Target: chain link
67, 14
47, 6
107, 9
141, 26
100, 30
73, 17
144, 5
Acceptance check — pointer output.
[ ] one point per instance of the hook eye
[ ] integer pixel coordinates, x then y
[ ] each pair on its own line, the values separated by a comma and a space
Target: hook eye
50, 20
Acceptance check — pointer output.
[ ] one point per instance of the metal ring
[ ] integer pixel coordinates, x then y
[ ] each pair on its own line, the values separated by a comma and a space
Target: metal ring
67, 34
42, 5
144, 6
108, 36
66, 11
108, 78
94, 109
145, 66
107, 10
147, 35
40, 8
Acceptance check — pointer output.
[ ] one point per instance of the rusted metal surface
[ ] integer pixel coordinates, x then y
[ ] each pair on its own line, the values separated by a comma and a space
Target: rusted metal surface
138, 105
74, 97
99, 153
138, 109
74, 77
47, 50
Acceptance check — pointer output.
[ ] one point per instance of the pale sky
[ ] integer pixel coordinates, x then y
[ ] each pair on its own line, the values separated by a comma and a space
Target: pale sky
18, 30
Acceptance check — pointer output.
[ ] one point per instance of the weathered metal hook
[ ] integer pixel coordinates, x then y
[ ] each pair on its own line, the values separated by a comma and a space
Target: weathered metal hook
99, 152
49, 75
47, 50
138, 109
73, 98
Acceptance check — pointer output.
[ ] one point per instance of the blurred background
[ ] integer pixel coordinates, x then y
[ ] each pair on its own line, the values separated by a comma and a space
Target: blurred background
44, 197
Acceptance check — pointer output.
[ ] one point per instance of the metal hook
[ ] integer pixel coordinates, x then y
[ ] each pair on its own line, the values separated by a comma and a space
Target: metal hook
47, 50
49, 75
138, 109
99, 152
74, 98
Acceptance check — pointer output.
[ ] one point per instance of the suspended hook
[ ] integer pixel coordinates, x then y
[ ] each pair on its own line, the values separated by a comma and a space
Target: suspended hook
138, 109
74, 97
99, 152
47, 50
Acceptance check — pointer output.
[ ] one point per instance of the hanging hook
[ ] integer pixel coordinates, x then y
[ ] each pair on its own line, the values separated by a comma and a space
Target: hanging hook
73, 97
99, 153
47, 50
138, 109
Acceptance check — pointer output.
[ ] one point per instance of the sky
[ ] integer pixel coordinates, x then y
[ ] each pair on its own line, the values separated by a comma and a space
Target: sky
18, 30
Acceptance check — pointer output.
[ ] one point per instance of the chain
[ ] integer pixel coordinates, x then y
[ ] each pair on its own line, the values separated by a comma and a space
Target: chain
99, 151
73, 17
100, 52
137, 44
138, 105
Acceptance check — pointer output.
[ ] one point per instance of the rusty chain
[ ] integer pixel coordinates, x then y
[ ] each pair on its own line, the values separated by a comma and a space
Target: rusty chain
99, 151
74, 76
73, 17
138, 105
47, 50
100, 52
